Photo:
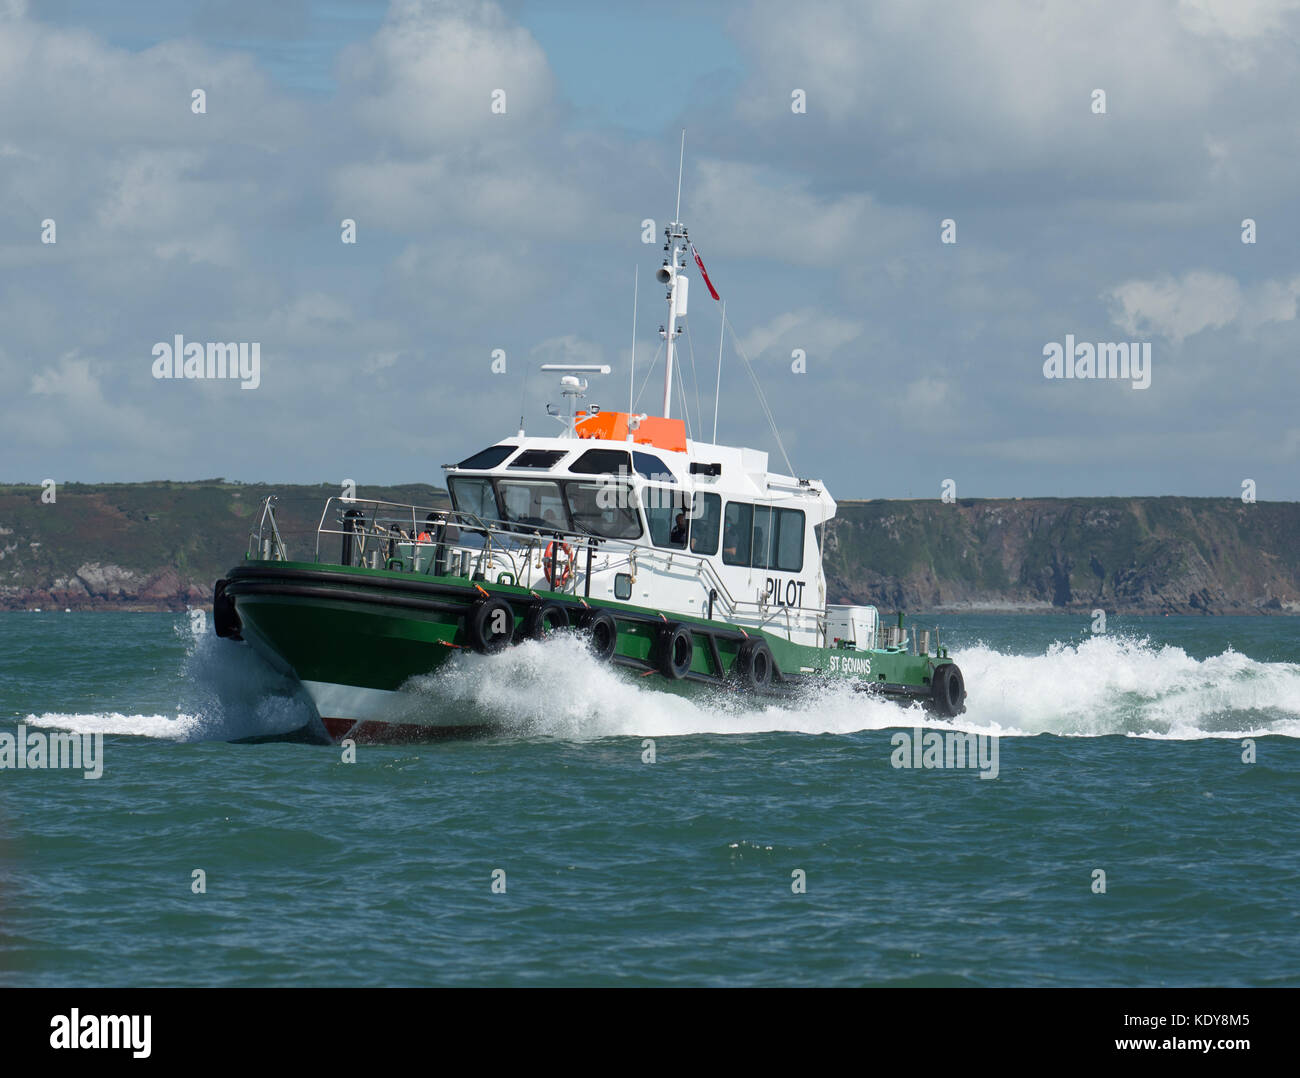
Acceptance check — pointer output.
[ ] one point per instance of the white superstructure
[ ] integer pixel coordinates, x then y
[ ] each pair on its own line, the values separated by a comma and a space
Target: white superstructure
685, 527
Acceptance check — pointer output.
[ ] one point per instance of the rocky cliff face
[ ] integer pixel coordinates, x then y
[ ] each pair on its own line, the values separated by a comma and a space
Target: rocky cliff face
160, 546
1137, 555
148, 546
93, 584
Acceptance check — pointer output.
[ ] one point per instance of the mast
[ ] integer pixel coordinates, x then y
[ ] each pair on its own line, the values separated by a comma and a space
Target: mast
717, 389
631, 381
670, 274
681, 158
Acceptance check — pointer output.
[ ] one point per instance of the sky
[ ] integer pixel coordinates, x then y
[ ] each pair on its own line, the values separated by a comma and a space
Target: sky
1097, 166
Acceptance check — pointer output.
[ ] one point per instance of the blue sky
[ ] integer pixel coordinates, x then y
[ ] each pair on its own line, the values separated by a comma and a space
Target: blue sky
520, 231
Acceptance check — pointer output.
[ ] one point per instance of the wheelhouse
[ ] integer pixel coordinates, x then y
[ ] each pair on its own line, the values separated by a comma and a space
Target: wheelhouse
681, 524
742, 515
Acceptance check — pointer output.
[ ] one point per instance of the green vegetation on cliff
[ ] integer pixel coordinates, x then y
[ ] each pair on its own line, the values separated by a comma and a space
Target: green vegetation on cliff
161, 545
1156, 555
150, 545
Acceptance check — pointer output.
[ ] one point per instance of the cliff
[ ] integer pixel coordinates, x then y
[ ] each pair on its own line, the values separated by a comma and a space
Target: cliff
150, 546
160, 546
1136, 555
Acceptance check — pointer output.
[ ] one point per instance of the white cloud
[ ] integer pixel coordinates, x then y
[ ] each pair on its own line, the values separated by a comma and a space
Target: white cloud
1235, 19
928, 91
926, 396
68, 403
461, 279
71, 378
427, 77
1177, 308
479, 232
103, 140
749, 210
379, 361
508, 188
427, 152
818, 333
60, 85
1272, 301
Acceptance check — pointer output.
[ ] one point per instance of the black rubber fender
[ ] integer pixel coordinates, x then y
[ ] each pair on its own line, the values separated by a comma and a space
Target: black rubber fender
754, 666
483, 625
225, 618
545, 618
948, 690
602, 634
676, 651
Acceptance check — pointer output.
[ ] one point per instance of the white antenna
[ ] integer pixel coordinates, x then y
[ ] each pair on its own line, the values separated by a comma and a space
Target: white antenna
717, 390
573, 388
680, 159
636, 280
675, 234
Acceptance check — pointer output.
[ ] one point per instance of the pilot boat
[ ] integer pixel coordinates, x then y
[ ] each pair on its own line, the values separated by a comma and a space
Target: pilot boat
685, 561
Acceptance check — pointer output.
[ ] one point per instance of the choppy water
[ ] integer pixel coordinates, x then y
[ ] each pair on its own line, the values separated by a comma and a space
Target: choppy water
1122, 753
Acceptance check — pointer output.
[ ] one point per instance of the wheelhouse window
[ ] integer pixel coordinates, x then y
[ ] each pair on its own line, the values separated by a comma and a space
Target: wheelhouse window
541, 459
789, 540
706, 516
602, 462
668, 514
487, 458
737, 533
648, 466
763, 537
534, 503
761, 551
473, 496
604, 509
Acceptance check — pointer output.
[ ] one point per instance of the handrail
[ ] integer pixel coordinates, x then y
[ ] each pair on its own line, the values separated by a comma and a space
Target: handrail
765, 613
378, 520
521, 545
277, 549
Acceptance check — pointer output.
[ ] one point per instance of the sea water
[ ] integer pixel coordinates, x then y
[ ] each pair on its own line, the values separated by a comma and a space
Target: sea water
1142, 828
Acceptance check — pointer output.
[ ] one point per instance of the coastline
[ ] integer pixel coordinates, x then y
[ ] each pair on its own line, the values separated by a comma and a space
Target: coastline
159, 546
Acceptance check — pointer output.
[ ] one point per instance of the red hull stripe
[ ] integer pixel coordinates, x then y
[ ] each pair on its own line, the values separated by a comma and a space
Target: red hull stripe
370, 732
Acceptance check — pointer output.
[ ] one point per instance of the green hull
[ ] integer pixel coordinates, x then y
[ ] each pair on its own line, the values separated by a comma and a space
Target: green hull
354, 637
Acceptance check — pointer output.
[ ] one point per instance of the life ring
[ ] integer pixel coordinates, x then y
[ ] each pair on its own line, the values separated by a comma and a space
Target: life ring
563, 557
423, 537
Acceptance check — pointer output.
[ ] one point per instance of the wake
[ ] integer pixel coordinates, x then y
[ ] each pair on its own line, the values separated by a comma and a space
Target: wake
1106, 685
227, 694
